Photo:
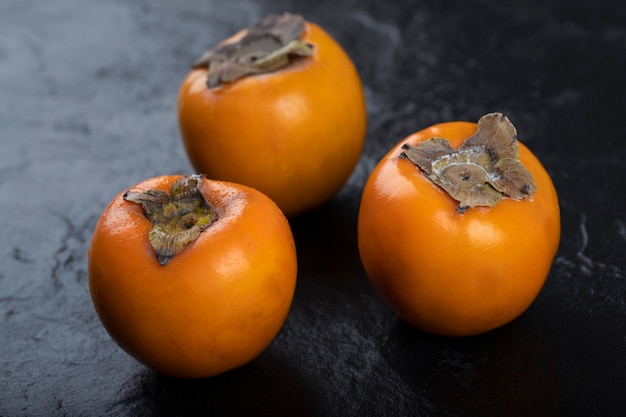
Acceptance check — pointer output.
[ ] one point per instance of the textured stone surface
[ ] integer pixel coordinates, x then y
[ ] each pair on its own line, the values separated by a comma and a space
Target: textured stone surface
87, 108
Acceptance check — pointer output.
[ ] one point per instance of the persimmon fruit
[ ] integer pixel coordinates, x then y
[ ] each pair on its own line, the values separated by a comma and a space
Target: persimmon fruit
458, 227
192, 277
278, 107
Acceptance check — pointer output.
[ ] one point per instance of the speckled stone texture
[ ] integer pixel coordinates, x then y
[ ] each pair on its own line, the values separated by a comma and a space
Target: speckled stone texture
88, 93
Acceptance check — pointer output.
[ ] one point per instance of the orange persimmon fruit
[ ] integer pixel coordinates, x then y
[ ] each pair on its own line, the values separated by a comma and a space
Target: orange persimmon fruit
458, 227
192, 277
278, 107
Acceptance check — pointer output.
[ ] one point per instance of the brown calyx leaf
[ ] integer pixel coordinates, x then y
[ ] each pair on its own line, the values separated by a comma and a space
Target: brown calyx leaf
178, 218
267, 46
485, 168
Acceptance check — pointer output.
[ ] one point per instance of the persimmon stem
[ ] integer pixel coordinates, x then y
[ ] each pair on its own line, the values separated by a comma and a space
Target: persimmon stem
267, 46
485, 168
178, 218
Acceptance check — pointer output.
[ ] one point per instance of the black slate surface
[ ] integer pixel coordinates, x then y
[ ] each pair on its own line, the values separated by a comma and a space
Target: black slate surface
87, 108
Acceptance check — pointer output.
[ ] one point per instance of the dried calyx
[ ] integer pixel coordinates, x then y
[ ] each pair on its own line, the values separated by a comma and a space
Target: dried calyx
484, 169
178, 218
267, 46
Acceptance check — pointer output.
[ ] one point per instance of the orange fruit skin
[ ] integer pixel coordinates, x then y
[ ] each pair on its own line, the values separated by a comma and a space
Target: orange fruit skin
448, 273
295, 134
217, 304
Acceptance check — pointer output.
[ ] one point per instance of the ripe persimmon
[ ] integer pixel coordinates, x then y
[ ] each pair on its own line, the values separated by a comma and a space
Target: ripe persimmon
279, 107
190, 276
458, 227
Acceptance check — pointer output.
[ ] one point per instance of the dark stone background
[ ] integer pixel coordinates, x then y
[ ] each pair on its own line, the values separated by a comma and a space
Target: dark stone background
88, 108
